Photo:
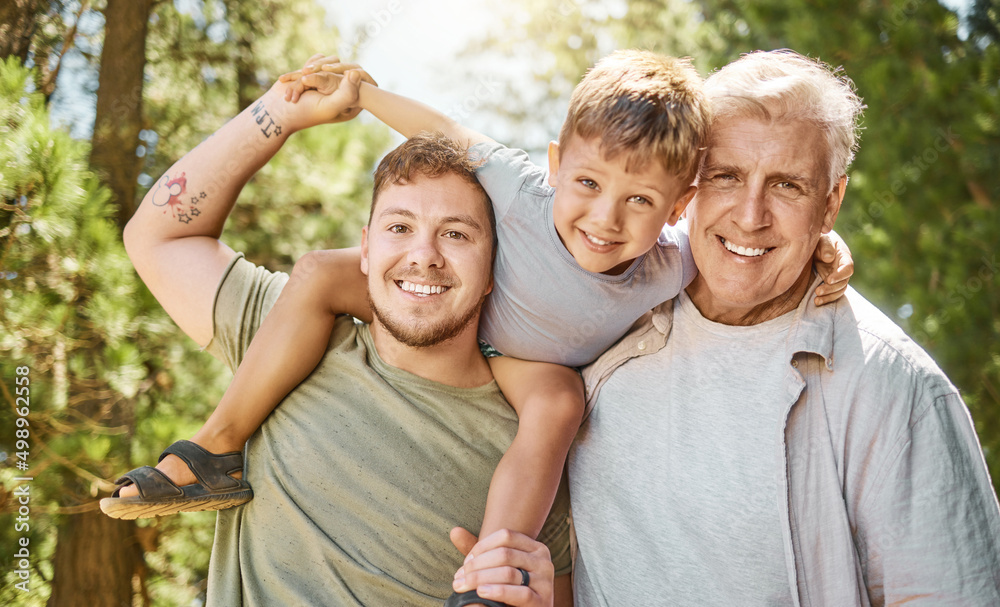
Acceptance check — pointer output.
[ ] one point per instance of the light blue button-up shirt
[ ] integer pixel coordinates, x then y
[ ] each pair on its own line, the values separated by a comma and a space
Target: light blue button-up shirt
885, 497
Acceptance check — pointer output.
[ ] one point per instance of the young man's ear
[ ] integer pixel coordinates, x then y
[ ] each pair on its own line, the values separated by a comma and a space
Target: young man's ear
833, 202
364, 250
681, 204
553, 162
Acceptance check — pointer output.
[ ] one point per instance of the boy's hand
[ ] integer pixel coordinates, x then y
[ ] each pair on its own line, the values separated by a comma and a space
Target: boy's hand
326, 97
835, 265
314, 75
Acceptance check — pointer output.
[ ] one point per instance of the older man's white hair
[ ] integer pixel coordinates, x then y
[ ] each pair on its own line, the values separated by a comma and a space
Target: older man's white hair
783, 85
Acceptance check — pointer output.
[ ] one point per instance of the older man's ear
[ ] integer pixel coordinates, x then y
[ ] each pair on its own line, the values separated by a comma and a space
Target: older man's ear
833, 201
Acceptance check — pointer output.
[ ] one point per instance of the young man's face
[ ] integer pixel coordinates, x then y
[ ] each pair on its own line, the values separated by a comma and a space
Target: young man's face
606, 216
763, 201
428, 257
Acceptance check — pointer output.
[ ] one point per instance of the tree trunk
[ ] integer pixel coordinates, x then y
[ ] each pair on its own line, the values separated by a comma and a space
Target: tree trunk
95, 560
242, 29
96, 557
119, 102
17, 25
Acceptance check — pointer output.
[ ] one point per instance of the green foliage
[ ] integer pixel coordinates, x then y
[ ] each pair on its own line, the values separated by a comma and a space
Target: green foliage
113, 381
73, 311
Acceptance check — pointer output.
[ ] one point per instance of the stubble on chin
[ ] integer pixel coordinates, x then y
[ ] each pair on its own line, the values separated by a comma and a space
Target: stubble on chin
421, 333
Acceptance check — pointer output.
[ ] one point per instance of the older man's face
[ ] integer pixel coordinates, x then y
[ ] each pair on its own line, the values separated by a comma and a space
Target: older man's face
762, 203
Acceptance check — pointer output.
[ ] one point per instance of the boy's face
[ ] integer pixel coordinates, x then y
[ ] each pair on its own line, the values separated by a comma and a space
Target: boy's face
606, 216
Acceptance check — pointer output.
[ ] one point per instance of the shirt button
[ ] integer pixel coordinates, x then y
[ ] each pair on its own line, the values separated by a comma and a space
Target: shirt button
795, 364
642, 346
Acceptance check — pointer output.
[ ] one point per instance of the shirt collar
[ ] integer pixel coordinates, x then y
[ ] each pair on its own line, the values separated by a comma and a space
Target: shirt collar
811, 332
812, 328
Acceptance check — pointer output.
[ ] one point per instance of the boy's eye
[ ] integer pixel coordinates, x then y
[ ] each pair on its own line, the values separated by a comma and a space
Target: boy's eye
589, 183
639, 199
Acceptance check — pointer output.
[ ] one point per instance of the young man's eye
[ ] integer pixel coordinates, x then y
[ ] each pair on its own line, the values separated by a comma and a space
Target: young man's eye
398, 229
454, 234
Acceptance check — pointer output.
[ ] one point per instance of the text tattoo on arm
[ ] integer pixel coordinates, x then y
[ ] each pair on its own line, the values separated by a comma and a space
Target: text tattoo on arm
172, 194
264, 120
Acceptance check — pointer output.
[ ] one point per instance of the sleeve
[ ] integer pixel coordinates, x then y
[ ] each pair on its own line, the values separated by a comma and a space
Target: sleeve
557, 531
930, 534
504, 172
245, 295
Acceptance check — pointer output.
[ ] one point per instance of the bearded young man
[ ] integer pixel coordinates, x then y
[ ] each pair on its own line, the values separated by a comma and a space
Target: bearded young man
364, 469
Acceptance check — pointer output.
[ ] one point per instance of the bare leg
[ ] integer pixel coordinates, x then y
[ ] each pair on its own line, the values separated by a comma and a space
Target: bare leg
549, 402
289, 344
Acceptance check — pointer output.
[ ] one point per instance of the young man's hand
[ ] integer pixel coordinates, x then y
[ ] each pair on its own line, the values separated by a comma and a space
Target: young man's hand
316, 75
834, 265
493, 568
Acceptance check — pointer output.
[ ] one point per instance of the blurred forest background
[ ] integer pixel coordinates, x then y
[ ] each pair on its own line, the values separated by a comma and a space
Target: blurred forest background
113, 381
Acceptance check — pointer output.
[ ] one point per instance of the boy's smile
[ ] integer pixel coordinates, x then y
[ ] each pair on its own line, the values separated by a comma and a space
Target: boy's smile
607, 213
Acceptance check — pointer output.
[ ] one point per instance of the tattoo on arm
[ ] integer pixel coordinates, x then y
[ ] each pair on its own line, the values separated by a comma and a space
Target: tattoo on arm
169, 194
265, 121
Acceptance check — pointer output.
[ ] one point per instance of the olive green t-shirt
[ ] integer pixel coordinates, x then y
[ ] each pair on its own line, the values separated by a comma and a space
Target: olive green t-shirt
358, 475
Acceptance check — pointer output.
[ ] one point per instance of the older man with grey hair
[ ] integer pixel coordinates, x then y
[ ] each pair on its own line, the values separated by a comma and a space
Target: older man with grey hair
743, 446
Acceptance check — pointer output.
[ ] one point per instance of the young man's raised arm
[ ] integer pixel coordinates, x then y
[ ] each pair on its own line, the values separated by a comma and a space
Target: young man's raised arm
173, 238
404, 115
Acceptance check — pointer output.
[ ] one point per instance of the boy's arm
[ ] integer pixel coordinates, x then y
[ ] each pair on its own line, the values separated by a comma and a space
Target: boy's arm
406, 116
173, 238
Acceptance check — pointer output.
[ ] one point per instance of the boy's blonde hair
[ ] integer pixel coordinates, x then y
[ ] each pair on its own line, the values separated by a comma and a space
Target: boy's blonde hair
644, 106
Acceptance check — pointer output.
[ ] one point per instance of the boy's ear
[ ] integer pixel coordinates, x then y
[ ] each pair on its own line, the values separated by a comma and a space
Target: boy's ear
681, 204
364, 250
553, 162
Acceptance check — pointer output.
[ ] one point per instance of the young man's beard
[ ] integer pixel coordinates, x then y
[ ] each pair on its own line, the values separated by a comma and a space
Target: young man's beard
421, 335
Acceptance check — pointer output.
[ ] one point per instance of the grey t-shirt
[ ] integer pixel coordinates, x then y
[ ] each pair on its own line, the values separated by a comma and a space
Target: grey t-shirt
544, 306
696, 515
358, 474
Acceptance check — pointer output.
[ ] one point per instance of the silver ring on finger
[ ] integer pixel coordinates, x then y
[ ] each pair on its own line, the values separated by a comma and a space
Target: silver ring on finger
525, 577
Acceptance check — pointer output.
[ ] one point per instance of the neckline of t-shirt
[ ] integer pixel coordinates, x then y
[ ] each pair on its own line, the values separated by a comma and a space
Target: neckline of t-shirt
395, 374
557, 244
774, 327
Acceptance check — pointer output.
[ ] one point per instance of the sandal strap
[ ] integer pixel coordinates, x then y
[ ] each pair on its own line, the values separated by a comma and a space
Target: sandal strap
150, 482
212, 470
470, 598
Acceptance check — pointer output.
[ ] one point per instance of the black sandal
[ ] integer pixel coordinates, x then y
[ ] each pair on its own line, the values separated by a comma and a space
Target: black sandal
216, 488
